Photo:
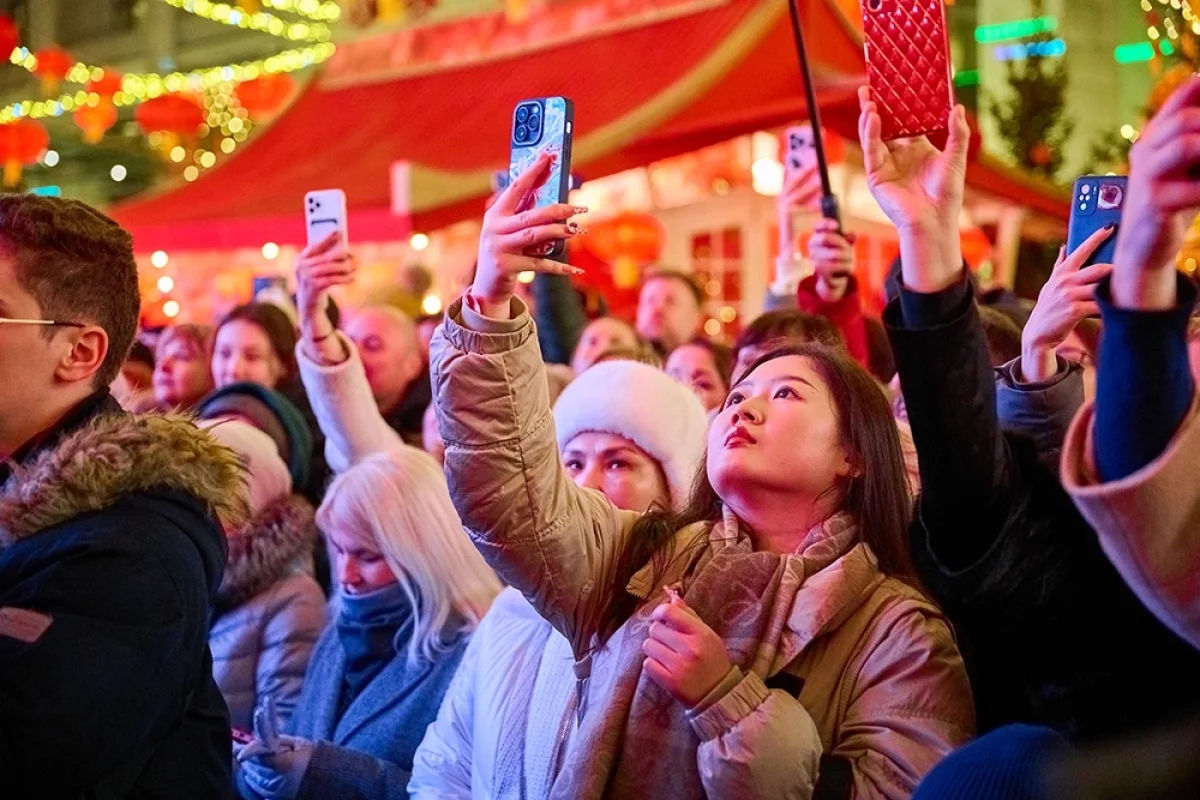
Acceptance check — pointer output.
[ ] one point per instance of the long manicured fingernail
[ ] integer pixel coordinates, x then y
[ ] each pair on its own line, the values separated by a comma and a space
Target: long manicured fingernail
576, 271
1109, 227
581, 209
575, 227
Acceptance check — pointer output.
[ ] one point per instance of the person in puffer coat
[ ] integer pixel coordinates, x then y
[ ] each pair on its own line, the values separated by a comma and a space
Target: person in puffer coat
769, 641
518, 673
269, 610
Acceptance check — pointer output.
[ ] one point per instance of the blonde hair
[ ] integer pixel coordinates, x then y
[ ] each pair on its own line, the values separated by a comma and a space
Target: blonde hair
400, 497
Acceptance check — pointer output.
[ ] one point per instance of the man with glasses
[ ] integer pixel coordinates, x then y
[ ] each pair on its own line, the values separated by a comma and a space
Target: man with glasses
110, 534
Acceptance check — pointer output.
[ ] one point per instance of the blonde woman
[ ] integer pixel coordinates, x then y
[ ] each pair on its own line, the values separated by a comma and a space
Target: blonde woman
410, 591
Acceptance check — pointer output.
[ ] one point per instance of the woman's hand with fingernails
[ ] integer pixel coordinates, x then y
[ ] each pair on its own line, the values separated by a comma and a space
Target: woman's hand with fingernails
513, 234
1066, 299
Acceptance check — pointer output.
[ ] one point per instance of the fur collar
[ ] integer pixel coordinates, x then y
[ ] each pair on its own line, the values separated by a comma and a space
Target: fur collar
114, 455
279, 539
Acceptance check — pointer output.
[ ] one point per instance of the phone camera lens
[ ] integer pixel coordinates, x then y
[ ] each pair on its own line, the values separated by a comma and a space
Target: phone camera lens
522, 114
521, 134
535, 125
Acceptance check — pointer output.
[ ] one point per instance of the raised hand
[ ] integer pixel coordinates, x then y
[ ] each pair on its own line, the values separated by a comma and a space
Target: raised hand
512, 235
683, 655
318, 269
1162, 198
920, 188
832, 255
1067, 299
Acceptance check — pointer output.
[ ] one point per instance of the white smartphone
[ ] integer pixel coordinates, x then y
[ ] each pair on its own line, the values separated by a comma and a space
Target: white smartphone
324, 213
801, 150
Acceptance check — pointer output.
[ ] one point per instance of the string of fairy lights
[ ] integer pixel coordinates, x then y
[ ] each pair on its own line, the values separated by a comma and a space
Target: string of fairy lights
263, 21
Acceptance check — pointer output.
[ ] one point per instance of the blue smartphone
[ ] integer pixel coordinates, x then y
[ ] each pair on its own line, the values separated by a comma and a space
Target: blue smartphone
542, 124
1096, 202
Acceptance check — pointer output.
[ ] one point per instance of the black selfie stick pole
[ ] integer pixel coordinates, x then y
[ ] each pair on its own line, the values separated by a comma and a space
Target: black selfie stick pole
829, 203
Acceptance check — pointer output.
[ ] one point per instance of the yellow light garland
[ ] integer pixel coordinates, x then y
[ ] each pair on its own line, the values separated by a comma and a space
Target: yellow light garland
258, 21
313, 9
138, 87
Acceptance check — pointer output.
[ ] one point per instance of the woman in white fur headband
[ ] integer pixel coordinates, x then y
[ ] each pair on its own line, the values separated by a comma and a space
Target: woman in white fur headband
634, 434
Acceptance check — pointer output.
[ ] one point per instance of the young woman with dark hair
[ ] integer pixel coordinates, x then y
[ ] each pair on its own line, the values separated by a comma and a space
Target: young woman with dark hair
768, 640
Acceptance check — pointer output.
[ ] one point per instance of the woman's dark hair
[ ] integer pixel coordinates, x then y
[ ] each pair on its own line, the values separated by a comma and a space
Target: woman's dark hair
275, 323
879, 497
788, 325
722, 357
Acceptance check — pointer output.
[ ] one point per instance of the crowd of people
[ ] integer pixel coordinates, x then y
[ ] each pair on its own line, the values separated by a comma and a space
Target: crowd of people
518, 553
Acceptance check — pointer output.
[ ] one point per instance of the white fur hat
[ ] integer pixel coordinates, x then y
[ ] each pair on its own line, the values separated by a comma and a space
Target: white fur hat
645, 406
267, 476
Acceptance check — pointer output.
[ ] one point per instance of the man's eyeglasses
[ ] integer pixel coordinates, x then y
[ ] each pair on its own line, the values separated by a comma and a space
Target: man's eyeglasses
46, 322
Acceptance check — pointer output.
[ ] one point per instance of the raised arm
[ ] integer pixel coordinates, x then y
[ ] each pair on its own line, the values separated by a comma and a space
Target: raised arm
332, 372
556, 543
1130, 462
938, 342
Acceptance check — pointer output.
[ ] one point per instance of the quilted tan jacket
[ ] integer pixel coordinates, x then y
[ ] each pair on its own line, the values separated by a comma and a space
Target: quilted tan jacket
883, 693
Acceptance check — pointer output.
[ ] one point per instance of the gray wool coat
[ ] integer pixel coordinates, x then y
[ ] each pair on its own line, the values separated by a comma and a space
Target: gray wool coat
269, 613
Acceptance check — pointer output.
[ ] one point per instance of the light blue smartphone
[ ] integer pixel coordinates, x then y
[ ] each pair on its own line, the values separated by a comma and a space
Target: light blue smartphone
544, 124
1096, 202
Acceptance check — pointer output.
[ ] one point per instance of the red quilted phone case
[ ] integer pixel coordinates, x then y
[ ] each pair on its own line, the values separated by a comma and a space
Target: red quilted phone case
908, 65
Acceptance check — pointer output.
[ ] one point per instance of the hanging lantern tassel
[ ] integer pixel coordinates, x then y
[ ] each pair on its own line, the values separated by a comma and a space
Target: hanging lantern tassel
12, 173
95, 121
626, 273
390, 10
53, 64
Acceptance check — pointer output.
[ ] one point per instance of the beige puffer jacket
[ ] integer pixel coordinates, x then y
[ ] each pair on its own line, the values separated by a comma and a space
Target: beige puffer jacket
882, 693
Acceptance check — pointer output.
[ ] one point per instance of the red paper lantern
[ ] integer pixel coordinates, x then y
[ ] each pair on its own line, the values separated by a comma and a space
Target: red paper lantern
106, 85
53, 64
21, 144
10, 36
628, 242
95, 120
170, 113
262, 97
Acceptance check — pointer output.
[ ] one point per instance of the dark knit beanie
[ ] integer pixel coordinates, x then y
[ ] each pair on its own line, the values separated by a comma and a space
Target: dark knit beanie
1006, 764
273, 414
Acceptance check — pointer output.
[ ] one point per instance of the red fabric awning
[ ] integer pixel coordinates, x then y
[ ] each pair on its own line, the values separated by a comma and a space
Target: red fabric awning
642, 92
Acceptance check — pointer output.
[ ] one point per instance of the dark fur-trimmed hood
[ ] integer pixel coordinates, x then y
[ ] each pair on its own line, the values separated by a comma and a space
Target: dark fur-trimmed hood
279, 539
118, 454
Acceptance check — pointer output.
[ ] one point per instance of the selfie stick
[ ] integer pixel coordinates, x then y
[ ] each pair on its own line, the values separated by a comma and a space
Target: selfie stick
829, 203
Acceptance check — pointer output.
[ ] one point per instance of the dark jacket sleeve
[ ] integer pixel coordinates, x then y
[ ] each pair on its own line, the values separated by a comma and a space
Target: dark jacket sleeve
560, 317
950, 393
350, 775
110, 677
1144, 386
1042, 410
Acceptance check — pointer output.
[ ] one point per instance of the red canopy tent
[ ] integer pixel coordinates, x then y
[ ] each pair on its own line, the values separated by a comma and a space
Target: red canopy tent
645, 88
